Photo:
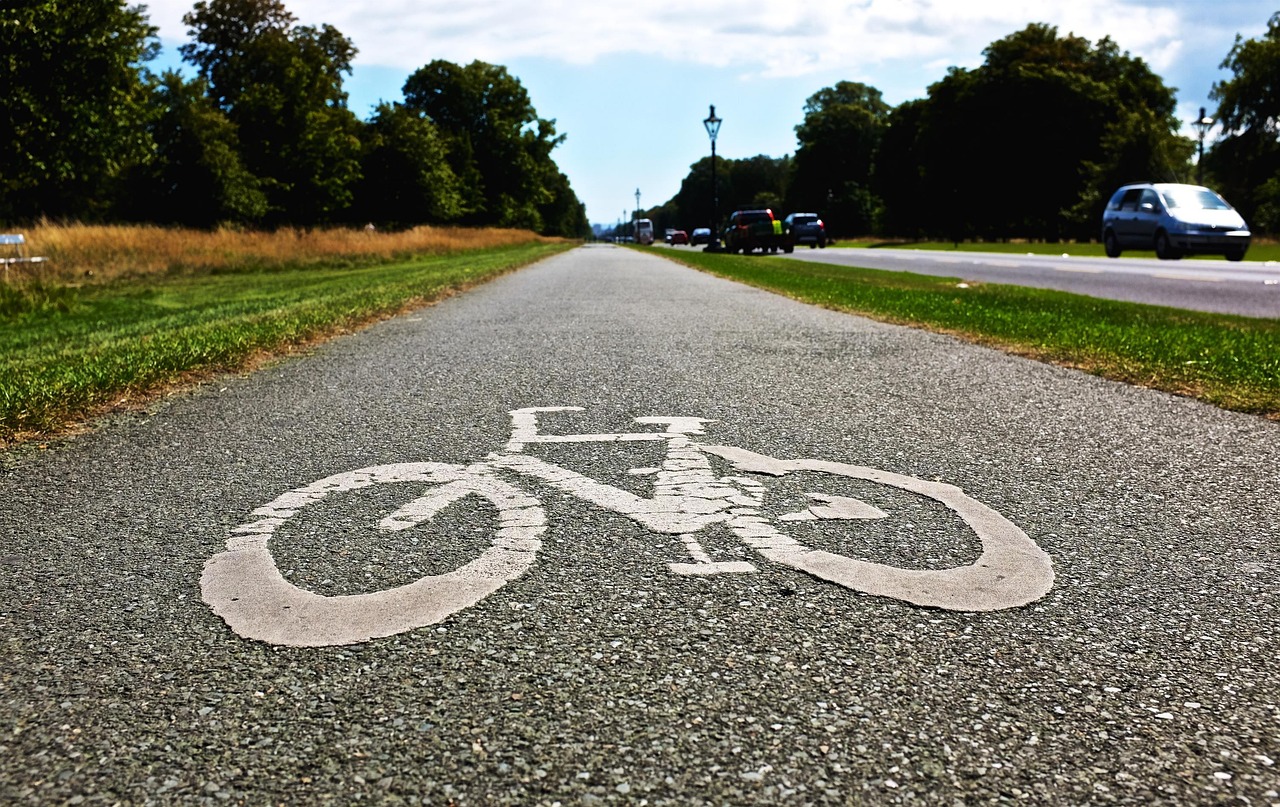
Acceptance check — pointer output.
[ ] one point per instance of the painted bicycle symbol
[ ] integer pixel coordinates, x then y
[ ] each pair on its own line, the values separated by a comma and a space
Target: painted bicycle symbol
244, 586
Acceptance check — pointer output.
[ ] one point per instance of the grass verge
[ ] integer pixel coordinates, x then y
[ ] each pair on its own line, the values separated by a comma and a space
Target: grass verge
1231, 362
73, 351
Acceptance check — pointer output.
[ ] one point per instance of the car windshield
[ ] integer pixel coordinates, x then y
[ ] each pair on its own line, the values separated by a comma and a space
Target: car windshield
1193, 199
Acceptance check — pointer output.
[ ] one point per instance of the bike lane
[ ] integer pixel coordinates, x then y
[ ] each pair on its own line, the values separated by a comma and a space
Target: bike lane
1145, 673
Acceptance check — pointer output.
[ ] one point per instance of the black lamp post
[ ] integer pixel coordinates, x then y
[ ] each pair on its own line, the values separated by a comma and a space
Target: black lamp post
713, 128
1202, 125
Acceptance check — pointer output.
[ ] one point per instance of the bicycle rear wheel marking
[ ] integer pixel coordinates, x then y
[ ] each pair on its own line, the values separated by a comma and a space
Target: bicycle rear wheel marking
244, 586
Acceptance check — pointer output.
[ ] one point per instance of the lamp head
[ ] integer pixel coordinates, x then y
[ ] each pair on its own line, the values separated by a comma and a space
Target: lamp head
713, 124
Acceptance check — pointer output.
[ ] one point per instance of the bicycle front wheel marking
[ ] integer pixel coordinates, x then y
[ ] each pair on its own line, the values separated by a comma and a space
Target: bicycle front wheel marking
244, 586
1011, 571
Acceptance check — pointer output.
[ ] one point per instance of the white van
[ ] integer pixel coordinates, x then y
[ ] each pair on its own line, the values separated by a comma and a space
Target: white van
644, 231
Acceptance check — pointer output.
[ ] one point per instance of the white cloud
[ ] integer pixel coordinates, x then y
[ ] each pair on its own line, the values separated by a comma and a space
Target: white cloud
783, 39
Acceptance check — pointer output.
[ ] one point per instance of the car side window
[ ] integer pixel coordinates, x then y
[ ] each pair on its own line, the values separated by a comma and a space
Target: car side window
1130, 200
1149, 197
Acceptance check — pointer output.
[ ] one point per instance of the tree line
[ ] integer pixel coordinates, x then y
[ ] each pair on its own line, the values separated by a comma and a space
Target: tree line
261, 134
1030, 144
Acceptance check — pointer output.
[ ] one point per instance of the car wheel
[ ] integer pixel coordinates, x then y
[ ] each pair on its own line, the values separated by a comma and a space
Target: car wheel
1111, 245
1165, 250
1235, 255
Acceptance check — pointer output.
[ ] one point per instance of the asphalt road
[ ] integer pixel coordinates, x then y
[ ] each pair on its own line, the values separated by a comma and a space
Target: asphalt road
1147, 673
1247, 288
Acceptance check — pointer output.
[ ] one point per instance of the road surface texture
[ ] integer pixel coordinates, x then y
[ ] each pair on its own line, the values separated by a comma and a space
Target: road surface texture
1149, 673
1248, 288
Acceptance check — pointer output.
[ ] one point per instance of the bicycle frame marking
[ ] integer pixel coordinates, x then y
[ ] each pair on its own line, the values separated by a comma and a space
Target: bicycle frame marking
243, 585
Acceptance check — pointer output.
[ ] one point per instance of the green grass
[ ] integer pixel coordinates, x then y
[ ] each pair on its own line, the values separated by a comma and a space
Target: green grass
1257, 252
70, 352
1232, 362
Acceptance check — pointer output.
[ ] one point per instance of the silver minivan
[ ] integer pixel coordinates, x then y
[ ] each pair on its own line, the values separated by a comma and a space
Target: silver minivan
1174, 220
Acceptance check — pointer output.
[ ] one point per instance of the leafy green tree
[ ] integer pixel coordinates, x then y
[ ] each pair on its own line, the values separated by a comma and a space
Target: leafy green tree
281, 85
407, 178
73, 106
898, 178
835, 155
564, 214
196, 177
500, 147
753, 182
1246, 160
695, 201
1067, 113
758, 182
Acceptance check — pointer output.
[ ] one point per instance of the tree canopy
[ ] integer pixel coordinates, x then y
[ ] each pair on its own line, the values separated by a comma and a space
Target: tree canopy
836, 152
1246, 160
74, 108
1028, 145
281, 85
497, 139
261, 134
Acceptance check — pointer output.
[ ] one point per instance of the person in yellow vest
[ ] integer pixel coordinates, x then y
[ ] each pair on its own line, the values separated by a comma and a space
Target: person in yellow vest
777, 226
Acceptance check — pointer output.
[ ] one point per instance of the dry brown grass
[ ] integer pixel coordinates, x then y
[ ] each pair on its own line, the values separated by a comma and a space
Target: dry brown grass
80, 253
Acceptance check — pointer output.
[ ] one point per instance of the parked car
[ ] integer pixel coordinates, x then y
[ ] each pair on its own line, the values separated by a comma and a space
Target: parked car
1174, 220
750, 230
678, 237
701, 235
807, 228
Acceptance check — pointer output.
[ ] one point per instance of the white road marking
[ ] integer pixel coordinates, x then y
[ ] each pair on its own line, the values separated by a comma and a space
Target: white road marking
1186, 276
243, 585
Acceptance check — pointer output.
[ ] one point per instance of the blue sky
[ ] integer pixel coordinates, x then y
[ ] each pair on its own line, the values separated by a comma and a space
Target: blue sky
630, 88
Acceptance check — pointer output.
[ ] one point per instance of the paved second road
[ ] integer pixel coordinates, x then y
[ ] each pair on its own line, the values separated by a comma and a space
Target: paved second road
744, 552
1249, 289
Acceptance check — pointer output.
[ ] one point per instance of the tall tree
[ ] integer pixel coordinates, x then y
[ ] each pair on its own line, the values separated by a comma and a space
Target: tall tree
1044, 106
753, 182
898, 180
196, 176
1246, 160
835, 155
406, 179
501, 148
74, 104
281, 85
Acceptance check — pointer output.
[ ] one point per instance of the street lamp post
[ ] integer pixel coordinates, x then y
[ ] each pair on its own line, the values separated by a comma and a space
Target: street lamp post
1202, 125
713, 128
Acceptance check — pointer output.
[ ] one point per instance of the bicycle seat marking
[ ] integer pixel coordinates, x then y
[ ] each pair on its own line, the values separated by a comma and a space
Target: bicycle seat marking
243, 585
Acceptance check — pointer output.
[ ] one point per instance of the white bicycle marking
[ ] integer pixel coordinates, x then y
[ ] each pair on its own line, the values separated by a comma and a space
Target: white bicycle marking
243, 585
245, 588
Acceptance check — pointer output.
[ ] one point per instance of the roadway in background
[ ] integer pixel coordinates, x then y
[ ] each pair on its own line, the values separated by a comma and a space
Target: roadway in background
1250, 289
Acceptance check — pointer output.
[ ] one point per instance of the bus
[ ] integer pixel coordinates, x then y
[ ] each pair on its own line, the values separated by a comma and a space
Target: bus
644, 231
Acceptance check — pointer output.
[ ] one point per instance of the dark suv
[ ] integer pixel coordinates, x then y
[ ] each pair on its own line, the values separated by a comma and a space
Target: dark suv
750, 230
807, 228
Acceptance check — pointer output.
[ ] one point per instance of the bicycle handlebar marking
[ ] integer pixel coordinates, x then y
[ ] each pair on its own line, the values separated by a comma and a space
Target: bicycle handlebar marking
243, 585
